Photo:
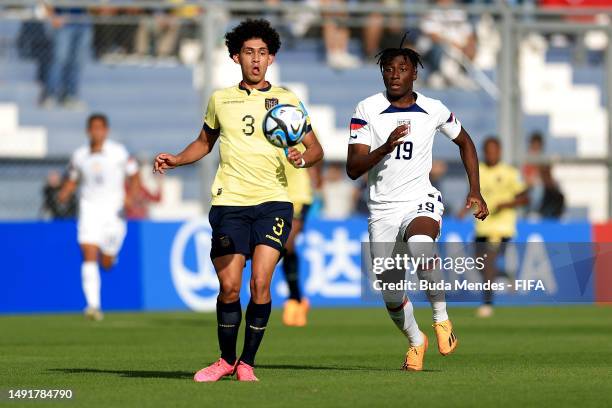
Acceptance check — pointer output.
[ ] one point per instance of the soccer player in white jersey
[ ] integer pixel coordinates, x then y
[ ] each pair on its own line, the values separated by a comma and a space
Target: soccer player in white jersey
391, 139
100, 168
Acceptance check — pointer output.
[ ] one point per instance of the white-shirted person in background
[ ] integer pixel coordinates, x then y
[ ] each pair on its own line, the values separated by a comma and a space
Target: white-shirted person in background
100, 170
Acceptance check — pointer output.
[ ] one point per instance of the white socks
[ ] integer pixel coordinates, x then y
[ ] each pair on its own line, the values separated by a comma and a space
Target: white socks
90, 276
402, 314
423, 245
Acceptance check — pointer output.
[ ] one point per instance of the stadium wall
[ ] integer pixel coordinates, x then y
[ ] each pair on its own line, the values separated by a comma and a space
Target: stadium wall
166, 265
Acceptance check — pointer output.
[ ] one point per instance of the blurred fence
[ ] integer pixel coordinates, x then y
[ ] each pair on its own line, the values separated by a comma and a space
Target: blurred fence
150, 65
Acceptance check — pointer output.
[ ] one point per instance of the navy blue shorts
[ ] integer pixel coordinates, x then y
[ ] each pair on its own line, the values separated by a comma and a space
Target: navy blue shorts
238, 229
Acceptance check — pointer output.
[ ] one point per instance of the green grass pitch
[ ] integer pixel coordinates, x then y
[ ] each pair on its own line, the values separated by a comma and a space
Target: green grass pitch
526, 356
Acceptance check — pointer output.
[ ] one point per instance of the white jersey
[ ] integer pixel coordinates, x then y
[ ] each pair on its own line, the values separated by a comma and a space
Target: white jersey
101, 176
402, 175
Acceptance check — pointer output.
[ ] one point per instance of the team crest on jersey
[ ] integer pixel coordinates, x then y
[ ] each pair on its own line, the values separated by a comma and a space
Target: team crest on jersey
406, 122
271, 102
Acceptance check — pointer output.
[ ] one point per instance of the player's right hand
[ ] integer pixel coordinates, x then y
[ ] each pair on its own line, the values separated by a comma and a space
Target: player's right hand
163, 162
395, 138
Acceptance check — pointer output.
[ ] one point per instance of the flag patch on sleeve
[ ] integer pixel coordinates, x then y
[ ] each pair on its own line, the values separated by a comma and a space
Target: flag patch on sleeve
357, 123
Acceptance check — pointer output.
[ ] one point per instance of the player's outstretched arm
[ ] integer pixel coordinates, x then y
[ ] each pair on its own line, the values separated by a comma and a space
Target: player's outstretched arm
67, 190
360, 159
192, 153
470, 162
311, 156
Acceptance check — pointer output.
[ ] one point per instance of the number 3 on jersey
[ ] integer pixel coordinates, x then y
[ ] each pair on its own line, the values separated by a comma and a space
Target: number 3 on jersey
248, 128
403, 151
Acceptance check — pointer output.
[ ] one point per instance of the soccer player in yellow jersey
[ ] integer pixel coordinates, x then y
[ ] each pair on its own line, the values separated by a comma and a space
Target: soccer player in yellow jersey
503, 190
251, 211
300, 192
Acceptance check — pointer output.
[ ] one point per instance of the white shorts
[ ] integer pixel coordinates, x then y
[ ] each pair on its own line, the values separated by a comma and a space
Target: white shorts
389, 225
107, 232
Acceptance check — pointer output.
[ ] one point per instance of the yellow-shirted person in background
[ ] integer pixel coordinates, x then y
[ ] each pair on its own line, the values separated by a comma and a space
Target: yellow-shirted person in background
300, 189
251, 212
504, 191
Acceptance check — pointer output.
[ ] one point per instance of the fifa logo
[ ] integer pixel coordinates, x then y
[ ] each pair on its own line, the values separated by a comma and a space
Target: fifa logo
406, 122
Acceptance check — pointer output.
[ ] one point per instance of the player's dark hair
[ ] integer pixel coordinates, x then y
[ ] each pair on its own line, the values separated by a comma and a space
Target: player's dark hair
537, 137
387, 55
97, 116
252, 29
491, 139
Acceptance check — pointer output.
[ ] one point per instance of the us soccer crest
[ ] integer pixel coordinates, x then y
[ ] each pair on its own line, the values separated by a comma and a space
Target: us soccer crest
271, 102
406, 122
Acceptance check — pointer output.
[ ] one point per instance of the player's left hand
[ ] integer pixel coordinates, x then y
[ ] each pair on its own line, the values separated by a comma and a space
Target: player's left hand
295, 157
475, 198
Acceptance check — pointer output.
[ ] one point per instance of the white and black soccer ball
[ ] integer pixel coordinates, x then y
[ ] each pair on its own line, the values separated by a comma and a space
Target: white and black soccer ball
285, 125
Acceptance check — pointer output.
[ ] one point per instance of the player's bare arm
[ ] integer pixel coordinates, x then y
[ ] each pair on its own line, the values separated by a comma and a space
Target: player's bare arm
470, 162
192, 153
360, 159
311, 156
133, 186
521, 199
67, 190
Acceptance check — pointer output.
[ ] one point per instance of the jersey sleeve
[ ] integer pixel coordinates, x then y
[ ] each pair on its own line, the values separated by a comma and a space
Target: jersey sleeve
300, 104
448, 124
211, 121
360, 128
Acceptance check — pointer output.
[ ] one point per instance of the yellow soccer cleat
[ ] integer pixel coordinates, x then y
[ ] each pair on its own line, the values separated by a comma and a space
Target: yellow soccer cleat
447, 341
415, 356
301, 315
290, 312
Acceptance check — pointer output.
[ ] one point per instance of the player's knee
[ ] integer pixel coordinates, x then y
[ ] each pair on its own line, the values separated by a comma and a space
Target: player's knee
107, 262
229, 291
260, 288
422, 247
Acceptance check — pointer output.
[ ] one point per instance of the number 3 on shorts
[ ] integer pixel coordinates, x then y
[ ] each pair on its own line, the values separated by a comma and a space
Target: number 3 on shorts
278, 228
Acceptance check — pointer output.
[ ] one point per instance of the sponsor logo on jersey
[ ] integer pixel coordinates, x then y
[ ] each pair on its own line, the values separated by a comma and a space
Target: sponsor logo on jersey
271, 102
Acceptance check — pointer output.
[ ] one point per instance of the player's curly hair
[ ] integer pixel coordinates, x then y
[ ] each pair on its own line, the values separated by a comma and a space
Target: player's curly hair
387, 55
248, 29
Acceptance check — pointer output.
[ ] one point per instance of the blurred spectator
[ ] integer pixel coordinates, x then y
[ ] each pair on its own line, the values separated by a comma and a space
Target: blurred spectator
338, 193
531, 172
336, 36
552, 204
34, 43
374, 28
535, 152
158, 34
447, 29
71, 37
142, 194
111, 37
51, 207
438, 170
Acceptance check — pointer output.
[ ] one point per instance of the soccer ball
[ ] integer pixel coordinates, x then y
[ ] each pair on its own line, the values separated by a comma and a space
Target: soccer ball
285, 125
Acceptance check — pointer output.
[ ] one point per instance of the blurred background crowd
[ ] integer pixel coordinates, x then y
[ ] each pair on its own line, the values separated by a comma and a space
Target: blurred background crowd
56, 46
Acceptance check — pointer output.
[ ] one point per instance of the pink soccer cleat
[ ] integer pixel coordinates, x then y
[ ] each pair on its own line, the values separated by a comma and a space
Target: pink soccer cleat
244, 372
214, 372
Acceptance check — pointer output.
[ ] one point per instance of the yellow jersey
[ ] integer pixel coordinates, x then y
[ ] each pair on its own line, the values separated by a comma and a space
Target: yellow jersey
299, 185
499, 184
251, 170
